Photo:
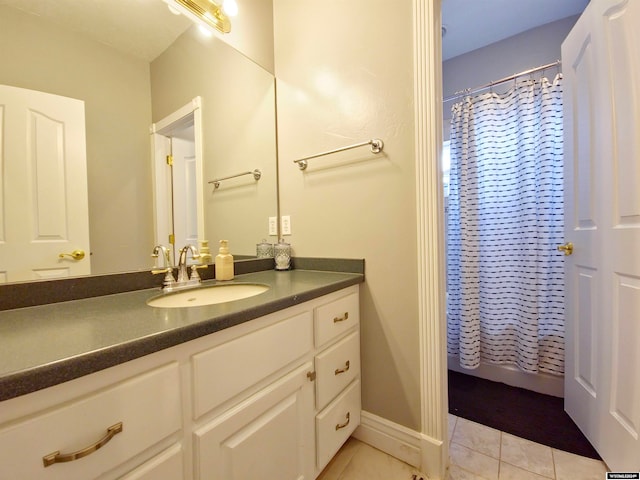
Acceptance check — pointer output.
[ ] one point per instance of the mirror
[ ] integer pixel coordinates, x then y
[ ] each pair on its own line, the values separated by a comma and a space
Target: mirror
133, 64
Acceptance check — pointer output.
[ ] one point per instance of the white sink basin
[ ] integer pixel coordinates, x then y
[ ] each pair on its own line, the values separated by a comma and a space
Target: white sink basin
211, 295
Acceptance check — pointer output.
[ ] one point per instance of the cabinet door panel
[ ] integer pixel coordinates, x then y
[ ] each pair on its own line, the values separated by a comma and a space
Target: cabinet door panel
268, 436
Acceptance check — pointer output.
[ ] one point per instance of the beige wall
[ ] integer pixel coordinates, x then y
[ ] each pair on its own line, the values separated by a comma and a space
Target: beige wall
344, 75
238, 120
252, 31
116, 92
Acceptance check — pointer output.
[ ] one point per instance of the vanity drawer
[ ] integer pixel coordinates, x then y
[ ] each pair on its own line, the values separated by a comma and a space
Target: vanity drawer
226, 370
336, 423
148, 407
337, 367
335, 318
165, 466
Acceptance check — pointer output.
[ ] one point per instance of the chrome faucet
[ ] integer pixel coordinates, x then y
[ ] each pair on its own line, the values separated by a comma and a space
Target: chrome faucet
183, 276
184, 279
169, 282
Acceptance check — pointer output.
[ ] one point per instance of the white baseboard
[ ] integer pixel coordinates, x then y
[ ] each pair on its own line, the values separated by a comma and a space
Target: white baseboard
420, 451
393, 439
511, 375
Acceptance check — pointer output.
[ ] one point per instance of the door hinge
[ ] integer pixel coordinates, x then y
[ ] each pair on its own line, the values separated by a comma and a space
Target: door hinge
311, 376
170, 160
172, 239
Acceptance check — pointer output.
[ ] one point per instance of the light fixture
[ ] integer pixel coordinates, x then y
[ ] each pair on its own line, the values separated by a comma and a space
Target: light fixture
205, 31
205, 11
230, 7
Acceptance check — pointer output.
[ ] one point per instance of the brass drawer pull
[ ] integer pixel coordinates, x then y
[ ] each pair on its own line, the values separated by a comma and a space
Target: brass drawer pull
57, 457
342, 425
341, 319
342, 370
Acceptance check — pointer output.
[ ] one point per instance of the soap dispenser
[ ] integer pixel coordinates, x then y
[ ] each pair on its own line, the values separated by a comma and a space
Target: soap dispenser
224, 262
205, 253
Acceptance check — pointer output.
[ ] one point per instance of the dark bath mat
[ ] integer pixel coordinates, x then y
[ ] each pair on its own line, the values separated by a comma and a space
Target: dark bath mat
523, 413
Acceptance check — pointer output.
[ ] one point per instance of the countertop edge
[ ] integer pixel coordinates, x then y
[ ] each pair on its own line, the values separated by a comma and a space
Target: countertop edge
31, 380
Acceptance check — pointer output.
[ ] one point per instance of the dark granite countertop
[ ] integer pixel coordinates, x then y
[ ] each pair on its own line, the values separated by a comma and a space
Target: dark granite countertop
45, 345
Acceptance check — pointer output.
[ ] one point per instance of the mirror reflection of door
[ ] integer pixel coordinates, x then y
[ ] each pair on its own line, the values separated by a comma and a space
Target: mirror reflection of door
184, 194
43, 178
177, 179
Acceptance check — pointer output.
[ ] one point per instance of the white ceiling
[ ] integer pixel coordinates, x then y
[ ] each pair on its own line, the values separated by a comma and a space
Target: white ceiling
472, 24
143, 28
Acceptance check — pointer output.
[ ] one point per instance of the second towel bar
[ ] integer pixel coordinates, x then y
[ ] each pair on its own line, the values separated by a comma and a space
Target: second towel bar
376, 147
256, 175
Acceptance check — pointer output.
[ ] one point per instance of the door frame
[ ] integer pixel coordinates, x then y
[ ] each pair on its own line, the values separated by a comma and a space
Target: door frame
191, 112
430, 225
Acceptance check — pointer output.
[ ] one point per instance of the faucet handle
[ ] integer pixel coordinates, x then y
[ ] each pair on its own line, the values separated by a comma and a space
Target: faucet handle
194, 272
168, 281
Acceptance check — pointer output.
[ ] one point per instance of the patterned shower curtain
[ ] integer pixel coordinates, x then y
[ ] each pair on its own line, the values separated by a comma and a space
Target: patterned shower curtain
505, 218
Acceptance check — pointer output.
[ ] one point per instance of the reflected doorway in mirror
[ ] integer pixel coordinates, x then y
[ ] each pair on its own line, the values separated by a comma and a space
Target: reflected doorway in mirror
178, 177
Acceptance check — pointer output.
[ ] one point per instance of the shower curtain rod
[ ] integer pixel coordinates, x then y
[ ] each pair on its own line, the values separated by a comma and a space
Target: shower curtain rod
502, 80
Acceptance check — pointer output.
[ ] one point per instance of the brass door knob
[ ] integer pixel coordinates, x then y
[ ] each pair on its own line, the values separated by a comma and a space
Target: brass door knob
76, 255
567, 248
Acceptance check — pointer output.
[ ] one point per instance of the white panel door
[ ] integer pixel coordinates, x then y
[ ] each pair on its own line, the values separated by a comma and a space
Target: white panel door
601, 63
43, 193
185, 195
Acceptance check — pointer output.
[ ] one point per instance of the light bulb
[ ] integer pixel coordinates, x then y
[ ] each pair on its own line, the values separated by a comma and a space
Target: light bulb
205, 31
230, 7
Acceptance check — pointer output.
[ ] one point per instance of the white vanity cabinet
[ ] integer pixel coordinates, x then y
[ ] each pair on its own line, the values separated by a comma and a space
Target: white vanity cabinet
87, 436
255, 395
167, 465
268, 436
337, 362
277, 403
272, 398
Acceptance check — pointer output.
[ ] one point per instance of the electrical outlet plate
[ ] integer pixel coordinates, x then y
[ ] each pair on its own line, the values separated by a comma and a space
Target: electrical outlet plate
273, 225
286, 225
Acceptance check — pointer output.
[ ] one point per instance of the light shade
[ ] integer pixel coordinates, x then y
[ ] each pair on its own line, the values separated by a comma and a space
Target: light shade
207, 12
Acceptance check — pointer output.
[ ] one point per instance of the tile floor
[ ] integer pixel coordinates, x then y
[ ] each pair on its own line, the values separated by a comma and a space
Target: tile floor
477, 452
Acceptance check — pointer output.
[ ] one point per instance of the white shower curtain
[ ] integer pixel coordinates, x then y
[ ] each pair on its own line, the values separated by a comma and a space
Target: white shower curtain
505, 218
